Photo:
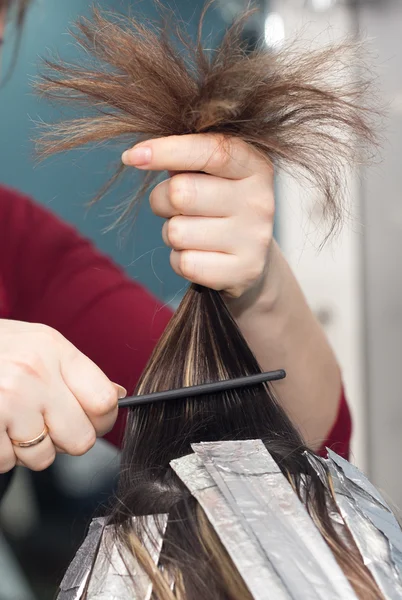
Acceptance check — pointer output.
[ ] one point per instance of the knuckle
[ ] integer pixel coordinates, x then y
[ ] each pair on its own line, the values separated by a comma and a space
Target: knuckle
156, 199
13, 380
106, 401
153, 201
255, 270
105, 424
7, 465
174, 233
47, 334
264, 206
264, 237
187, 266
267, 208
235, 292
180, 194
29, 363
107, 427
17, 366
221, 154
82, 445
44, 463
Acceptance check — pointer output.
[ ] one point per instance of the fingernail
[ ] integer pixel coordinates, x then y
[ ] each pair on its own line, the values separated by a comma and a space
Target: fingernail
137, 157
121, 391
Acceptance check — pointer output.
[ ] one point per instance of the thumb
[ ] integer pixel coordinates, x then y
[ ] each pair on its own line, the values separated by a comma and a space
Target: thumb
97, 395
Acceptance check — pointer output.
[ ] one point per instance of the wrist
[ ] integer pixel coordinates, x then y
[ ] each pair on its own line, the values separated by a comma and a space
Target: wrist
264, 296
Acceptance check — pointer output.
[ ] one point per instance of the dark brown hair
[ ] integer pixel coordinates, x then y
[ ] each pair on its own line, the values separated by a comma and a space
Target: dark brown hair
139, 85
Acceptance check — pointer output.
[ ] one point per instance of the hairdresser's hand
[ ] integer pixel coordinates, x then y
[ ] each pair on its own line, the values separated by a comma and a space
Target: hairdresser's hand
220, 226
219, 222
46, 381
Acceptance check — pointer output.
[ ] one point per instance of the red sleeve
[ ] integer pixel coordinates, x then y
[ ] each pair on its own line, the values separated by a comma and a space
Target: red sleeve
51, 275
339, 437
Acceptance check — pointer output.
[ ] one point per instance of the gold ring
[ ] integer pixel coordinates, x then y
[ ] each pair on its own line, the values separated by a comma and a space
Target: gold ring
33, 442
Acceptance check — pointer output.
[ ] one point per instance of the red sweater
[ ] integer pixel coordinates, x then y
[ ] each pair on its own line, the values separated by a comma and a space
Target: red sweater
51, 275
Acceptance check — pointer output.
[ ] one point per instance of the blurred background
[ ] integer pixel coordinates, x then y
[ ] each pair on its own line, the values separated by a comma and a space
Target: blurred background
354, 284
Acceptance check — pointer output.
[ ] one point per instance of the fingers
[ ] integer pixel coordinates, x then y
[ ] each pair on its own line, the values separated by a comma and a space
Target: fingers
69, 427
217, 271
28, 427
220, 215
200, 233
194, 194
45, 380
214, 154
51, 403
209, 217
95, 393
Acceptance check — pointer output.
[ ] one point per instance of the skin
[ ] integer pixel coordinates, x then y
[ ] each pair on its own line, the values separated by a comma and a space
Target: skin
219, 224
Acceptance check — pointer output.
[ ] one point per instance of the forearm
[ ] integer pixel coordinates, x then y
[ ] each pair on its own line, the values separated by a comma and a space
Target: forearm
283, 333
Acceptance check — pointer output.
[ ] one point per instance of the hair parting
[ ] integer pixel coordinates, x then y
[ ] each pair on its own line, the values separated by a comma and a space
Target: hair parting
137, 85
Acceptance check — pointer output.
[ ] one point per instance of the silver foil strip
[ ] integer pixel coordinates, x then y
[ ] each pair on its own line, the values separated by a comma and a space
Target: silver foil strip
76, 577
371, 523
111, 570
251, 481
244, 550
320, 465
116, 574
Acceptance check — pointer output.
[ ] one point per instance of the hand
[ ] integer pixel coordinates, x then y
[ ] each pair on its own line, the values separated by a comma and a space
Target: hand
46, 381
219, 208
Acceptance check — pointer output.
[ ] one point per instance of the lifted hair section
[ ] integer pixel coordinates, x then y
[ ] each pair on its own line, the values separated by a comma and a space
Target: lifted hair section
141, 80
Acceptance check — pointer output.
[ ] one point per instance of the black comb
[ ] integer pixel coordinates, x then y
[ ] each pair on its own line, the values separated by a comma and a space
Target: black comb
205, 388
